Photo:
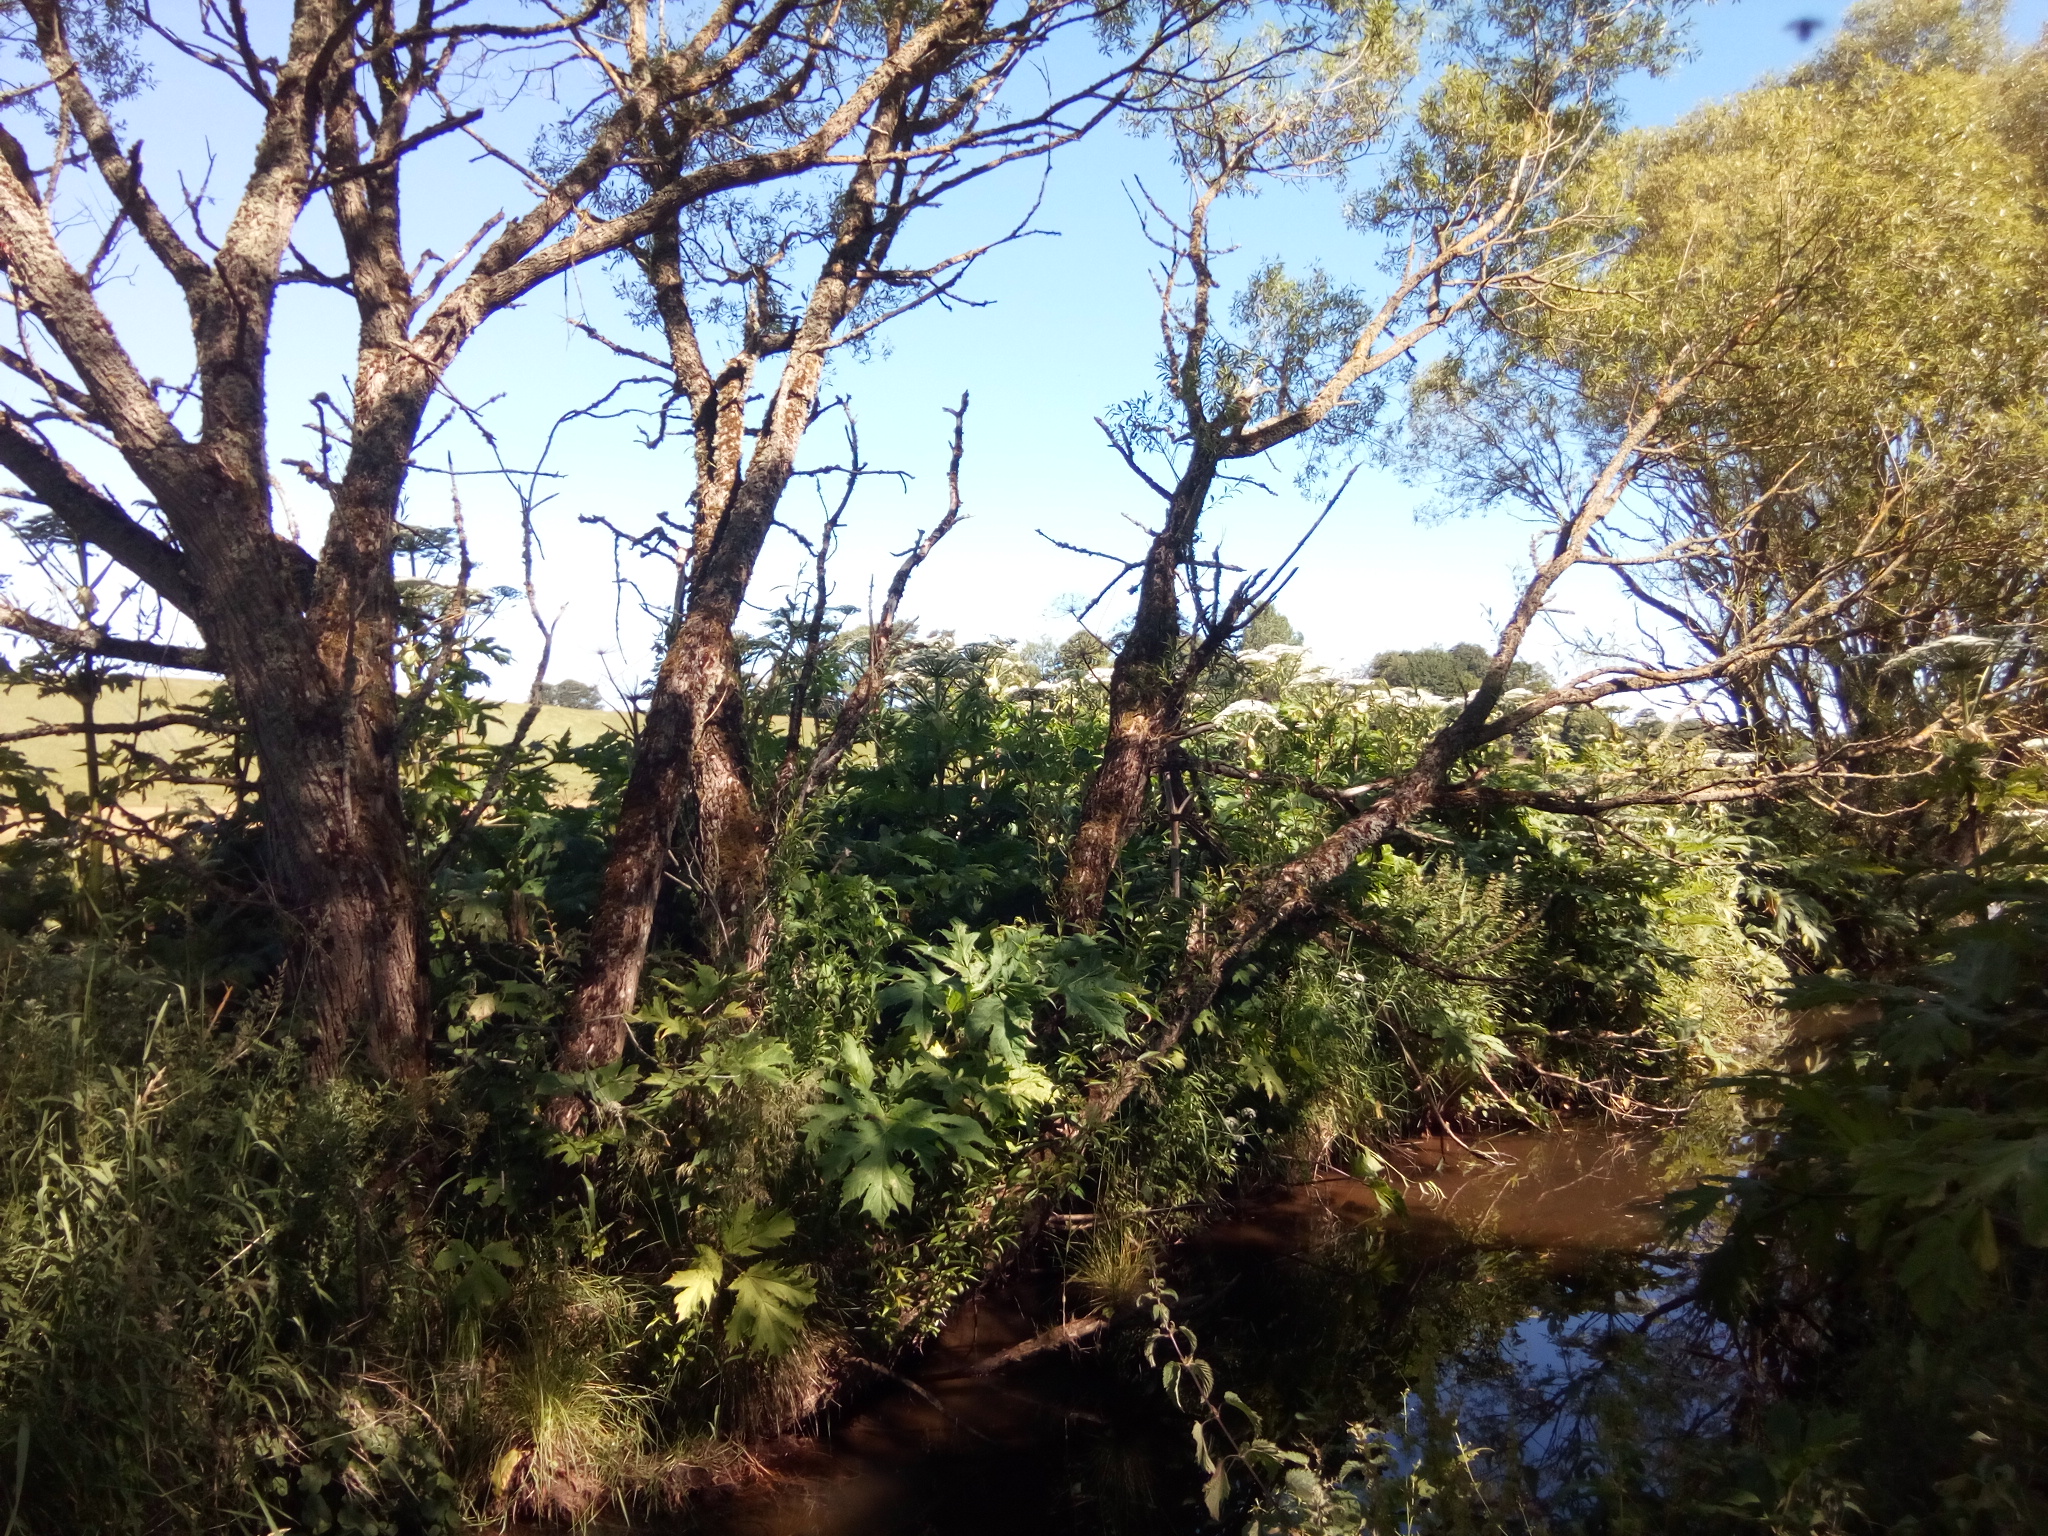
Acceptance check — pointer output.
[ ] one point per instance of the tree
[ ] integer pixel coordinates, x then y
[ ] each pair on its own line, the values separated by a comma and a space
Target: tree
1268, 626
1450, 672
933, 130
1601, 415
1889, 440
570, 694
1303, 888
1081, 652
347, 96
1477, 202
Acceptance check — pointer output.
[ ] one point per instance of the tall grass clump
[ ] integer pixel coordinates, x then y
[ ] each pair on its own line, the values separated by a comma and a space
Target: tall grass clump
189, 1239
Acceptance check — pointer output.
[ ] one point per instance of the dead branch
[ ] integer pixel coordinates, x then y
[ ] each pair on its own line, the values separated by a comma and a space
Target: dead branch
124, 728
867, 692
89, 640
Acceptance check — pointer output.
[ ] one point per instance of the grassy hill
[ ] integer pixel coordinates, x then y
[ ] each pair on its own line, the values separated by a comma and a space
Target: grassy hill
23, 708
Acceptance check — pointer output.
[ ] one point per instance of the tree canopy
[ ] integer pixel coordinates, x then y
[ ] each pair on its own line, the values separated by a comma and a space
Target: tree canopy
1449, 670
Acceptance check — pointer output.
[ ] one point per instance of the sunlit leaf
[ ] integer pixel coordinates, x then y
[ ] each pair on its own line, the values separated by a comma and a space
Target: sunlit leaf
749, 1230
697, 1286
881, 1187
768, 1305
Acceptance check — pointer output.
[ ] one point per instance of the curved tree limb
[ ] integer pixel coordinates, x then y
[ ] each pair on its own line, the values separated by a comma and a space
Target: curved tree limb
90, 640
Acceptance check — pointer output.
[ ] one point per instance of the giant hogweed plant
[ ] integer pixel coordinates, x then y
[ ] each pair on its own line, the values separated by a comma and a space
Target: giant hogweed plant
955, 1060
964, 811
764, 1299
995, 1028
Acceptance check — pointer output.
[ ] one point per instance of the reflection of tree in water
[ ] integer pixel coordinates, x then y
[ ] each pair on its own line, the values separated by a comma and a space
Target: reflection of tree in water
1477, 1380
1514, 1390
1596, 1410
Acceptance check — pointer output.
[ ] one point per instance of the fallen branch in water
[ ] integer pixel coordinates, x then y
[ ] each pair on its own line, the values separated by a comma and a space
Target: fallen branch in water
1052, 1338
923, 1394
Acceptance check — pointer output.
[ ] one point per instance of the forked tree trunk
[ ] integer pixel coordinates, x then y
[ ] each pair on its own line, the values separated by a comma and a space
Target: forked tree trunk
1146, 694
307, 647
694, 746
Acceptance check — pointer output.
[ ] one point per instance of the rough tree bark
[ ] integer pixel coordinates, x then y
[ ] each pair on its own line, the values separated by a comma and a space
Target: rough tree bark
693, 744
305, 644
303, 655
1148, 685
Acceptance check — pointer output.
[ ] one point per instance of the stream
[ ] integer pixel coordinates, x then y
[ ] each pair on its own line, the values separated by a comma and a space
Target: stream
1518, 1321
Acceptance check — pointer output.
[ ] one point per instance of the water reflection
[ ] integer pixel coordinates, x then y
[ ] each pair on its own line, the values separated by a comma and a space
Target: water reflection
1517, 1321
1576, 1189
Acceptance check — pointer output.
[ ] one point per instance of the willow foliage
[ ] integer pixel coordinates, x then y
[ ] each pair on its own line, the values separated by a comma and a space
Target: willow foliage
1885, 447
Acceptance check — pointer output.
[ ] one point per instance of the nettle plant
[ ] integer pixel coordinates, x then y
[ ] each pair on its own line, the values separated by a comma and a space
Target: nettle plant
995, 1030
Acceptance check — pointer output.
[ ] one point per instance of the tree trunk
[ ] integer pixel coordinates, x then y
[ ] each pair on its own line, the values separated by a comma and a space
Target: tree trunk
314, 683
1146, 693
338, 846
594, 1032
729, 838
694, 744
1141, 727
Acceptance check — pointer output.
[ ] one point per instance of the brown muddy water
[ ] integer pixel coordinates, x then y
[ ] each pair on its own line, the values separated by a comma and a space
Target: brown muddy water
1511, 1301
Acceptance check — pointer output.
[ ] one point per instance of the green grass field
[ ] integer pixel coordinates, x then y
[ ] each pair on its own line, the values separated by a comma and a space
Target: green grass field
22, 708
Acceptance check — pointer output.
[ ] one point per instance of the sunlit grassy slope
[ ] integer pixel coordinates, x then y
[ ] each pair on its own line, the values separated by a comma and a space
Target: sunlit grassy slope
22, 708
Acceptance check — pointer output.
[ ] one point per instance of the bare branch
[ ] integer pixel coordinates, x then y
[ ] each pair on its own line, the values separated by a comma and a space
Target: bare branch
105, 728
92, 641
91, 516
866, 693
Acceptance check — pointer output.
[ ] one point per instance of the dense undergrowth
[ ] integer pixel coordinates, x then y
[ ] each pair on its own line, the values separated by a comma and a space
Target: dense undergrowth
237, 1299
1884, 1257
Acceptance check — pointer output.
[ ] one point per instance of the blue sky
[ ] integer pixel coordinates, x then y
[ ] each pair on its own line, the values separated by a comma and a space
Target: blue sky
1072, 330
1068, 327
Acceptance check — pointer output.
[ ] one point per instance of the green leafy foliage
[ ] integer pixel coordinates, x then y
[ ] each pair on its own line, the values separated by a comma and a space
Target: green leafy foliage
966, 1062
1901, 1196
232, 1296
768, 1299
873, 1127
1925, 1134
479, 1274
